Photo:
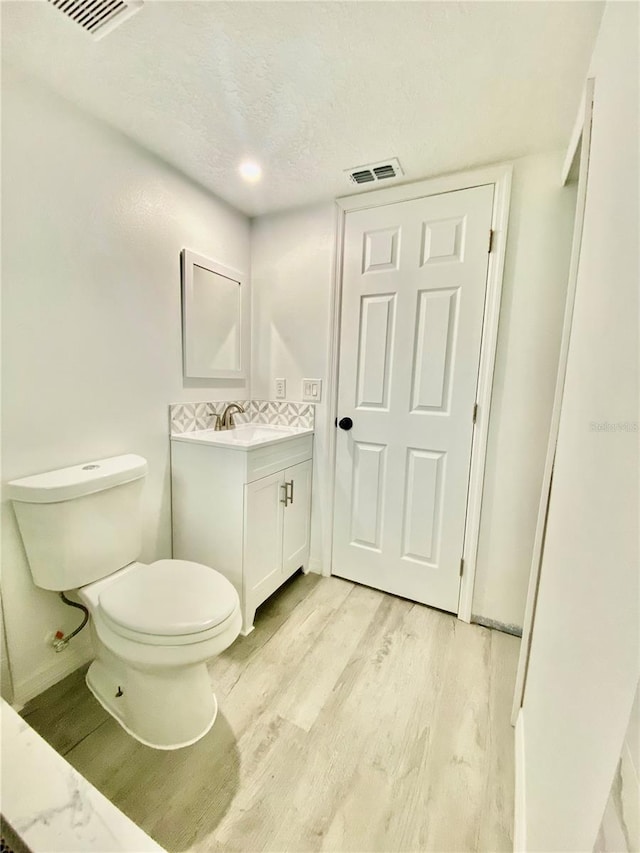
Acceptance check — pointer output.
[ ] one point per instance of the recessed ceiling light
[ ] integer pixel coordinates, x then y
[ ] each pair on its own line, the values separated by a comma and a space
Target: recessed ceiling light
250, 171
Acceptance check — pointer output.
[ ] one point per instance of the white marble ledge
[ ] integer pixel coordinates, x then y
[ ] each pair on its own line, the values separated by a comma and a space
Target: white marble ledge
51, 806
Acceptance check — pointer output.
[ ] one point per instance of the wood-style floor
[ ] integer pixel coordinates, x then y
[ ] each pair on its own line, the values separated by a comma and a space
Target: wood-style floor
349, 720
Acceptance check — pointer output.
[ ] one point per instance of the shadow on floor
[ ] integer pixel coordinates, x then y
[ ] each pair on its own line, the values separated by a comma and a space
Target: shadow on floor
177, 797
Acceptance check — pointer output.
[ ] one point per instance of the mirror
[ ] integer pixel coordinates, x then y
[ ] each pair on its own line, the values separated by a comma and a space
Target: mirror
214, 319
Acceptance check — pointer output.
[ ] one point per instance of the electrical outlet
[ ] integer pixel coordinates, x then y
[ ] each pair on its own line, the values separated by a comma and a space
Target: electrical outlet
312, 390
281, 389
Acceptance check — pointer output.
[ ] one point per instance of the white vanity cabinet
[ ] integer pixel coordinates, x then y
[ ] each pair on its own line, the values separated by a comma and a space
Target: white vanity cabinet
244, 511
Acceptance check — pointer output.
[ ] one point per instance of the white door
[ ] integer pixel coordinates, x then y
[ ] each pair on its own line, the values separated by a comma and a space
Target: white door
295, 538
414, 281
264, 508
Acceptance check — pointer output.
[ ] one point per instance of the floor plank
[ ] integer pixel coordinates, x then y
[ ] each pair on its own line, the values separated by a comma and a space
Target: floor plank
66, 713
271, 616
497, 810
306, 695
350, 720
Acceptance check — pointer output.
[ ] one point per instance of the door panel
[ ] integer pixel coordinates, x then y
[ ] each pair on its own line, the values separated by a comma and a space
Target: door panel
263, 537
380, 250
297, 518
374, 346
368, 494
422, 513
414, 280
433, 350
443, 241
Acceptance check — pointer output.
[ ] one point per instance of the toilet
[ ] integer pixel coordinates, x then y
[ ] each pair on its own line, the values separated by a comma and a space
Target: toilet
154, 626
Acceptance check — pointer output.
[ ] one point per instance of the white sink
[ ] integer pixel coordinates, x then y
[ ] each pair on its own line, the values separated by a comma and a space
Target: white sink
244, 436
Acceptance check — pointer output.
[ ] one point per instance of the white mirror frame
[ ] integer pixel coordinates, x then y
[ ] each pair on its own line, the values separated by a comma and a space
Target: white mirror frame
191, 368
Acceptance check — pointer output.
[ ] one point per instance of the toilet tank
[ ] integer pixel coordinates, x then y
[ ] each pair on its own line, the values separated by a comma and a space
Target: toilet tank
82, 523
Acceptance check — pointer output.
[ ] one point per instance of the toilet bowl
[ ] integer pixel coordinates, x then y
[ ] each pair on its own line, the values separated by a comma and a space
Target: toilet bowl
155, 626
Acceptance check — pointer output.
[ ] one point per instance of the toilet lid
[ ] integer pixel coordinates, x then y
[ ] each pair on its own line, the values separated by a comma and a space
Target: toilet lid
169, 597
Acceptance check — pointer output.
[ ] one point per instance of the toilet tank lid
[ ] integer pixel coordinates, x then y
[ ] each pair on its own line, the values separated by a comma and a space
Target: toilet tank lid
78, 480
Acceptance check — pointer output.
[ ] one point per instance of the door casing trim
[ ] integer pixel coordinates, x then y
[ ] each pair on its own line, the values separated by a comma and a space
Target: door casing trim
579, 149
500, 177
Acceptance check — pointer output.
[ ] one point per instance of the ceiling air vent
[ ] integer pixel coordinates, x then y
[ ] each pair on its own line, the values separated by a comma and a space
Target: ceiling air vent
363, 176
374, 172
98, 17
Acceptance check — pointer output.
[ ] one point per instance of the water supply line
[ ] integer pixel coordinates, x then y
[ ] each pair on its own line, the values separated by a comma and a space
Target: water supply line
60, 641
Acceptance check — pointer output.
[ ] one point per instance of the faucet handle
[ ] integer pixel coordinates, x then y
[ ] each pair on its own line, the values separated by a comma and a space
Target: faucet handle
218, 421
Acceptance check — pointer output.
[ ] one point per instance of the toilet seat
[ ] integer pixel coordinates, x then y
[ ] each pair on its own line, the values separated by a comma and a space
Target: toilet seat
168, 602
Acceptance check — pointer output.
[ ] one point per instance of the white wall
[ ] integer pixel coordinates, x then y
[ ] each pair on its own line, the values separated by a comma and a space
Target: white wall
292, 264
531, 315
292, 261
92, 232
584, 664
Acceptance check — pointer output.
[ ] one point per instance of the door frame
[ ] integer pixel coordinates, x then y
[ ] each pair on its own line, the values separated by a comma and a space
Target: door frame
578, 154
500, 177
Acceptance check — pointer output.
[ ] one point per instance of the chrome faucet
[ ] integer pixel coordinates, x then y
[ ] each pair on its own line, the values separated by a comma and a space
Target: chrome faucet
227, 415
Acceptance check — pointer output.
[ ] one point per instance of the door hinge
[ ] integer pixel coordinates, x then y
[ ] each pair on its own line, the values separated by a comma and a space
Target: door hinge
475, 412
461, 566
491, 235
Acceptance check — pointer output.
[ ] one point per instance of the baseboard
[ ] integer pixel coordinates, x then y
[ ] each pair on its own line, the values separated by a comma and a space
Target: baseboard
516, 630
520, 799
315, 566
38, 682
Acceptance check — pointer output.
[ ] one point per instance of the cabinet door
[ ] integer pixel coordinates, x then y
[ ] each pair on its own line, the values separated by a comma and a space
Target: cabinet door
297, 518
263, 537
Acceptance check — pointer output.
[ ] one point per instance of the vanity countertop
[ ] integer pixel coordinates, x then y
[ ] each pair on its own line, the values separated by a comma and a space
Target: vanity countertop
50, 806
243, 437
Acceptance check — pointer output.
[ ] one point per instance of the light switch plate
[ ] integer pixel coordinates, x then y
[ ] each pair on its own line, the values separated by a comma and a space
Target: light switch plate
281, 389
312, 390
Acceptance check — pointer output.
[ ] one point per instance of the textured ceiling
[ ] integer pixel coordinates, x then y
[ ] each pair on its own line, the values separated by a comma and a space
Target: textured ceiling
311, 88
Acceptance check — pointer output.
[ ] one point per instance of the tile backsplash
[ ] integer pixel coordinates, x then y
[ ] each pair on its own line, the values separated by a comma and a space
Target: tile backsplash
282, 413
186, 417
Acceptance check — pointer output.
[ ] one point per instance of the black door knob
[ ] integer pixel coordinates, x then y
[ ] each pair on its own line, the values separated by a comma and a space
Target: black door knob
345, 423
